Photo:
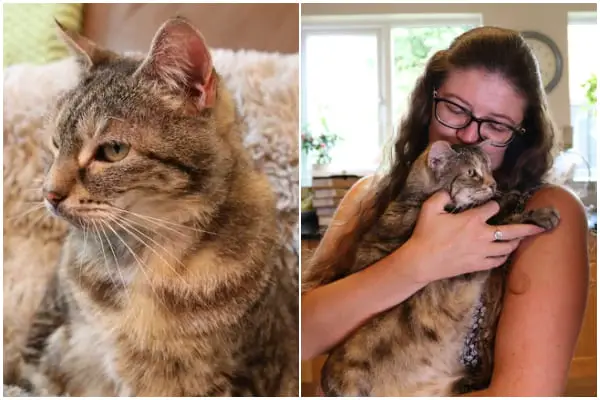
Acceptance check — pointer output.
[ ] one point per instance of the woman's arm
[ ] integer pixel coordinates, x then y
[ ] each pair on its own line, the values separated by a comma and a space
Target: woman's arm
540, 324
332, 311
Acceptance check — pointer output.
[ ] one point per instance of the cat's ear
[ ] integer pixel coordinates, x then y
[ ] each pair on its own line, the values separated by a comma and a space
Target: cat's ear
180, 59
86, 52
438, 155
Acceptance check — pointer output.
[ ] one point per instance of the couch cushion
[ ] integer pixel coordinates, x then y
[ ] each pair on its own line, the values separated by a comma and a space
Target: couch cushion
30, 32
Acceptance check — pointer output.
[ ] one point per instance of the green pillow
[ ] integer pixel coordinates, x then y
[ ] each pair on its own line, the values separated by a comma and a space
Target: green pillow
30, 31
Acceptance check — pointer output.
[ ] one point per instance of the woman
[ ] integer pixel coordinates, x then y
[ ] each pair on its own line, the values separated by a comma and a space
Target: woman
486, 85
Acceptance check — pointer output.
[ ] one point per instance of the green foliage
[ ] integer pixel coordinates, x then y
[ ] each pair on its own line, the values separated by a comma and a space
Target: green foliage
591, 86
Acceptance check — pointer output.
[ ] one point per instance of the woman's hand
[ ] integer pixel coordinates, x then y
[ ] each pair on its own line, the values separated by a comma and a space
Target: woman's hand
445, 245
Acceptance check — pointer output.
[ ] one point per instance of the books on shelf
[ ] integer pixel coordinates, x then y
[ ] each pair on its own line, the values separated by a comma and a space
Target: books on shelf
337, 182
325, 211
328, 192
324, 193
326, 203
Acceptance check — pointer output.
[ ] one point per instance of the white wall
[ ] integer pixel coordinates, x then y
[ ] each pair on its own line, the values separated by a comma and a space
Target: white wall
550, 19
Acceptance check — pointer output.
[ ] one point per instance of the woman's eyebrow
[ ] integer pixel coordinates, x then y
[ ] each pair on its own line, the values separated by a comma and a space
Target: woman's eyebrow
460, 99
495, 115
502, 116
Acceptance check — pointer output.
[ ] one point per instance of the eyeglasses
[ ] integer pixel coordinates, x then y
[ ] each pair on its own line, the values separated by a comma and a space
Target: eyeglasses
455, 116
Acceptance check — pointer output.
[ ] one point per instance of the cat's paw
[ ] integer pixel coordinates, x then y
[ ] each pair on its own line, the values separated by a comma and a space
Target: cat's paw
547, 218
36, 383
39, 386
450, 208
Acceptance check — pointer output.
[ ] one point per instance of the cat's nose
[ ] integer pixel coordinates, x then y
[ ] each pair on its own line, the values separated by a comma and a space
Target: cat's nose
53, 197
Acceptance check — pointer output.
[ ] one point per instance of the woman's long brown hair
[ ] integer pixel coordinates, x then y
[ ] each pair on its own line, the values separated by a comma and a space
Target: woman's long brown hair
526, 161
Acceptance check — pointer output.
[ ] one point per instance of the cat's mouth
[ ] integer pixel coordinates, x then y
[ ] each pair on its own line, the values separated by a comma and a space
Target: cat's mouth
469, 198
484, 194
79, 216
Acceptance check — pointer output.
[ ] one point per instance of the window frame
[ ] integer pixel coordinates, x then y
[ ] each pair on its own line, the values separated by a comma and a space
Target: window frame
381, 26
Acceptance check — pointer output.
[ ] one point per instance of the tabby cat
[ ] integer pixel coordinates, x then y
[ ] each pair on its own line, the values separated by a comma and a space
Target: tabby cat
413, 349
169, 282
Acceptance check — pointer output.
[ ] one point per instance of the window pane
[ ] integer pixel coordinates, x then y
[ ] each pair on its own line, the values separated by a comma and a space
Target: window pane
342, 92
582, 63
411, 49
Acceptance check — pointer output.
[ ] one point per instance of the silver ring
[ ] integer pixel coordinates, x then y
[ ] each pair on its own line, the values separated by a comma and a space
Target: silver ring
497, 235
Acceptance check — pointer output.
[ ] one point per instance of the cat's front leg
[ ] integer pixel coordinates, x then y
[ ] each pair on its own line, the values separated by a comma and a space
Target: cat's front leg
547, 218
41, 375
46, 331
37, 383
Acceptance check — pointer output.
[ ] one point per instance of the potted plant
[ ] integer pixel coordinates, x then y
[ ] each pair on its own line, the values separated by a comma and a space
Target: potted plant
318, 142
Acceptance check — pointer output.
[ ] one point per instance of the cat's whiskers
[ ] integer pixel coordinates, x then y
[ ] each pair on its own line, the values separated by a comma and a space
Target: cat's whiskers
120, 224
140, 263
130, 223
82, 253
152, 229
84, 225
147, 220
104, 254
29, 211
118, 266
39, 219
38, 182
162, 222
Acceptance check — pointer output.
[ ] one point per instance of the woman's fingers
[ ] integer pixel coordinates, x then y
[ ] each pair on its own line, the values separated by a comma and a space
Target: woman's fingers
500, 249
486, 211
514, 231
493, 262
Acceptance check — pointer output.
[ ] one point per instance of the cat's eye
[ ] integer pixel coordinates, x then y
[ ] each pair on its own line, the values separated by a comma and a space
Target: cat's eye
112, 152
471, 173
55, 143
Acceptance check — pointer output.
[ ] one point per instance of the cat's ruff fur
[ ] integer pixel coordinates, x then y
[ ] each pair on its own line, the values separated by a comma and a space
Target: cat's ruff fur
264, 87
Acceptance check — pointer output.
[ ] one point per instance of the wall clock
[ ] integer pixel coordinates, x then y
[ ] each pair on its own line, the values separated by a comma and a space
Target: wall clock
548, 56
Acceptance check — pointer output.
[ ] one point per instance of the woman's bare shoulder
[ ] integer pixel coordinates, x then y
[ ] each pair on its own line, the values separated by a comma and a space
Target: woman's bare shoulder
356, 198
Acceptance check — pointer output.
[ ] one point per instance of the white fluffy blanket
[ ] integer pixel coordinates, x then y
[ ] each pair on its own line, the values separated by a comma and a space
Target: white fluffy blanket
265, 87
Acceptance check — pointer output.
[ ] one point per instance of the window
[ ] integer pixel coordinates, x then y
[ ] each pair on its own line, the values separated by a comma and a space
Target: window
342, 94
357, 75
582, 64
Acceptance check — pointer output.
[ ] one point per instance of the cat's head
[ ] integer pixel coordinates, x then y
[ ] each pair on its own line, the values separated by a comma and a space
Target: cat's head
463, 170
141, 135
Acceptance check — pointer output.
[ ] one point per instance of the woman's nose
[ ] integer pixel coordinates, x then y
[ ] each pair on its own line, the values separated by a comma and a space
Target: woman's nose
468, 134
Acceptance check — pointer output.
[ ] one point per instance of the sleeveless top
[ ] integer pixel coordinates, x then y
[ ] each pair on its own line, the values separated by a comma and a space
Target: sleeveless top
470, 357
